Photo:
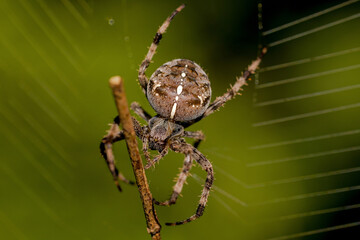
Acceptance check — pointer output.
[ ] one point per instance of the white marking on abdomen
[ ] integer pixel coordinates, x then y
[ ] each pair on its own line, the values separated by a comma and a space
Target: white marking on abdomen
179, 89
156, 86
201, 100
173, 110
183, 74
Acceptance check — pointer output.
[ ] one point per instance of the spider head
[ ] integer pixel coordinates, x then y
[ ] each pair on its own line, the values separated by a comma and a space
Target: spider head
162, 129
179, 90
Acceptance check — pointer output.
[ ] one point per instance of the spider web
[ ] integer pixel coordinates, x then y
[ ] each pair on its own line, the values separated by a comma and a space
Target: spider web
43, 62
306, 109
307, 185
50, 88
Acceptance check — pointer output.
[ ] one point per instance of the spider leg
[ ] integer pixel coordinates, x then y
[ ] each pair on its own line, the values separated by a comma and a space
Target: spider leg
233, 91
179, 183
205, 165
140, 111
157, 157
198, 136
145, 63
145, 149
115, 135
144, 136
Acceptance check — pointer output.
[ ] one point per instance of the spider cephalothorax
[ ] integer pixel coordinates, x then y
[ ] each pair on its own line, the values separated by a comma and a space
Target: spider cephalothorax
180, 92
161, 129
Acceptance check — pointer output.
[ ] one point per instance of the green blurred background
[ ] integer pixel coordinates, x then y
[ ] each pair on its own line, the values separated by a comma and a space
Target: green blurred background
56, 59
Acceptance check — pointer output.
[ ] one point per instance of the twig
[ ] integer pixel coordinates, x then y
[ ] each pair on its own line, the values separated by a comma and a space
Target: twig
152, 222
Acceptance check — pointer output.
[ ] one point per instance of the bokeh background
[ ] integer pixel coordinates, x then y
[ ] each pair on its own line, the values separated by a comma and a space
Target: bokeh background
285, 153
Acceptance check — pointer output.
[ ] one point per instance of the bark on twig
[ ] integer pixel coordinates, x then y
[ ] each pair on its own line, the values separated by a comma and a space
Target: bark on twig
153, 225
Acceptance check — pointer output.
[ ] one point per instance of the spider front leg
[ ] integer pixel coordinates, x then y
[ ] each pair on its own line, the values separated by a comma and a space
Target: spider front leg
205, 164
198, 136
106, 143
146, 62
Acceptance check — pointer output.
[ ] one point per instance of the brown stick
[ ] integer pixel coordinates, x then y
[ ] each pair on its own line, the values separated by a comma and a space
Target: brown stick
152, 222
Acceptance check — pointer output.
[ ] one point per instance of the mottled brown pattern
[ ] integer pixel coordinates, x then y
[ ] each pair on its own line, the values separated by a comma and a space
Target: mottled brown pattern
163, 84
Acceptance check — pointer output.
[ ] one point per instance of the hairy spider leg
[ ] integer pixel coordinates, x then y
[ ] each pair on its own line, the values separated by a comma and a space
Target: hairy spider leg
198, 136
145, 149
234, 90
187, 149
113, 136
179, 183
146, 62
138, 110
157, 157
145, 137
145, 140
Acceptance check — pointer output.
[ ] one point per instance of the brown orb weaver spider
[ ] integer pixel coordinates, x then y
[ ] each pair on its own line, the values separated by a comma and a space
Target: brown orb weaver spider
180, 93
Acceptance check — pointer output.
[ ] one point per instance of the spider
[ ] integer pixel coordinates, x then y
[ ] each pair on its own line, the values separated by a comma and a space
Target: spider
179, 91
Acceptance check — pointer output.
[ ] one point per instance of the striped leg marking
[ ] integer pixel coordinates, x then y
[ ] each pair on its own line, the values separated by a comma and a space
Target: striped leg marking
234, 90
114, 135
140, 111
198, 136
157, 158
205, 165
179, 184
146, 62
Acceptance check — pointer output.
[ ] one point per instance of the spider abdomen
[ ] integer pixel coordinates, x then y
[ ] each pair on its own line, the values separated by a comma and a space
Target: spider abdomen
179, 90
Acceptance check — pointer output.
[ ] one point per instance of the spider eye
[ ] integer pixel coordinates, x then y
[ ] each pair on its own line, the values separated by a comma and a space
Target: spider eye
179, 90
